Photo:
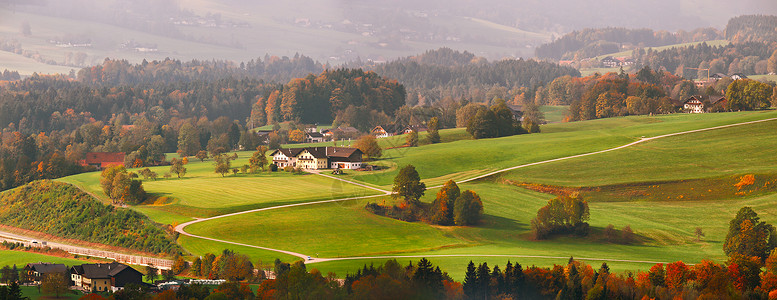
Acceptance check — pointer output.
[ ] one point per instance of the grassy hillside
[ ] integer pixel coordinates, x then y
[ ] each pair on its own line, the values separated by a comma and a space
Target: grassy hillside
202, 192
64, 211
665, 227
461, 159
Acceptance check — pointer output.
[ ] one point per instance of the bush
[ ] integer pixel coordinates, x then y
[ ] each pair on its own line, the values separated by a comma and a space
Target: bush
273, 167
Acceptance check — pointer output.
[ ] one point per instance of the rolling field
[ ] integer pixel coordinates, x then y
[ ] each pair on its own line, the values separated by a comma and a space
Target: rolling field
203, 193
665, 229
462, 159
21, 259
554, 113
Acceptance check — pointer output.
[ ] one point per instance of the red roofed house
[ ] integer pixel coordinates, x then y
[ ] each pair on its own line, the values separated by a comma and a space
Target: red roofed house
103, 160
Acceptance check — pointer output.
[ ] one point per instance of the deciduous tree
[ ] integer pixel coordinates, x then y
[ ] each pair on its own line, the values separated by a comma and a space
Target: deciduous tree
408, 185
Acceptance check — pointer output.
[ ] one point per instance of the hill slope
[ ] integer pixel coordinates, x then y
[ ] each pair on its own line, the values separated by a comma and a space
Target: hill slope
65, 211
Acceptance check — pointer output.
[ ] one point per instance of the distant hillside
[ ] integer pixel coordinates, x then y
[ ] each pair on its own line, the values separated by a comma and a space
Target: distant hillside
65, 211
752, 28
591, 42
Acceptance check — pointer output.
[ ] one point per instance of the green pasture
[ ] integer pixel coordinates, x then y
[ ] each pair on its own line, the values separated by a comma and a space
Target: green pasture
721, 152
665, 228
715, 43
665, 231
22, 258
203, 193
461, 159
34, 294
763, 77
554, 113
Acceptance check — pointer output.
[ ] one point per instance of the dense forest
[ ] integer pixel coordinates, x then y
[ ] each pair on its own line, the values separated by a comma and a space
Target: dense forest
319, 99
591, 42
747, 58
752, 28
271, 69
444, 73
65, 211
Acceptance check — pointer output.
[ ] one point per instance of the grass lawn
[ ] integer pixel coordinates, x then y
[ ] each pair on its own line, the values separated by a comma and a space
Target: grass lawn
22, 258
202, 193
33, 293
728, 151
554, 113
665, 228
461, 159
763, 77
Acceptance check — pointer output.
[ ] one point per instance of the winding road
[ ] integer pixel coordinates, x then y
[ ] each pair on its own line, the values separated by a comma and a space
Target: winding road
308, 259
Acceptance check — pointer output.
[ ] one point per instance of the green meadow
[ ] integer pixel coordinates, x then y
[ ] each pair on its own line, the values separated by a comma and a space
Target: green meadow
664, 227
461, 159
640, 186
21, 259
203, 193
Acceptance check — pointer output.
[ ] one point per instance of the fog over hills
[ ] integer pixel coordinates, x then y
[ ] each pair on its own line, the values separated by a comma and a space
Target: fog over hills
56, 36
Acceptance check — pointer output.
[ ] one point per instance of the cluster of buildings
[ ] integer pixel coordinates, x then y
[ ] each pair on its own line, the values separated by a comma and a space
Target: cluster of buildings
314, 158
703, 104
102, 277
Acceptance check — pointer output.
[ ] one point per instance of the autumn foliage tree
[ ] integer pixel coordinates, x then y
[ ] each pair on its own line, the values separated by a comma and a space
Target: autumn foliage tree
748, 236
564, 214
121, 187
368, 145
442, 207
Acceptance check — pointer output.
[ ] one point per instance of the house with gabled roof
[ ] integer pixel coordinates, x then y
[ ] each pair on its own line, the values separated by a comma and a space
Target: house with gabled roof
285, 157
314, 158
104, 277
314, 137
36, 271
386, 130
702, 104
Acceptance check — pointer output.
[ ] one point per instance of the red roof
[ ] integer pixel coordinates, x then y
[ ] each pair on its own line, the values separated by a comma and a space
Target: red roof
104, 159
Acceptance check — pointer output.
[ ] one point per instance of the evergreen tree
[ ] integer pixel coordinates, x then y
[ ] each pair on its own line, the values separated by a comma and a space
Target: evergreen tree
470, 285
483, 281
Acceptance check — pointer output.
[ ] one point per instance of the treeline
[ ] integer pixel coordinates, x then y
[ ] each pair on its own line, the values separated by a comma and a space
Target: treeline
325, 97
269, 69
63, 210
747, 58
46, 103
9, 75
752, 28
444, 73
591, 42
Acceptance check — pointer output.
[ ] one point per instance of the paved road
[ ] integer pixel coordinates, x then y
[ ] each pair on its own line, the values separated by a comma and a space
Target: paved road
120, 257
181, 228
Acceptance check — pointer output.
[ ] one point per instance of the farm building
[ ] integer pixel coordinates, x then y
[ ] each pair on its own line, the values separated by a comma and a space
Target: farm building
314, 158
103, 160
104, 277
